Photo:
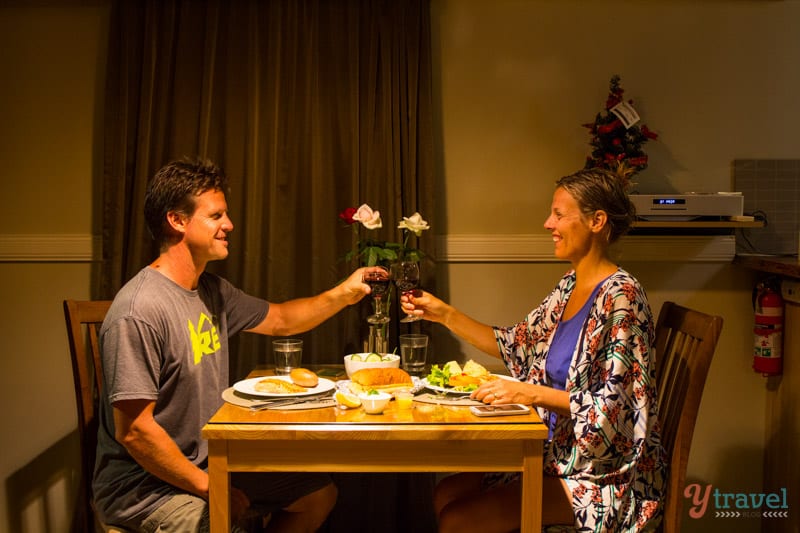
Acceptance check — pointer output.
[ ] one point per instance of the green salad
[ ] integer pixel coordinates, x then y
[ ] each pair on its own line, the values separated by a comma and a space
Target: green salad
440, 377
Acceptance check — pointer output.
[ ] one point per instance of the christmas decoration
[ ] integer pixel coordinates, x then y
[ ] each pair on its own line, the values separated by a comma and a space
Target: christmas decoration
617, 138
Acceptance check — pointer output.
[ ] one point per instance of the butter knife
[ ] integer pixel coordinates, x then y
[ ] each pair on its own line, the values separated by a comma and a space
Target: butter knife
283, 402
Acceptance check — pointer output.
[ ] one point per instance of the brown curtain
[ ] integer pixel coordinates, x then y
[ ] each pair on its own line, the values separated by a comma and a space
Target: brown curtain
310, 106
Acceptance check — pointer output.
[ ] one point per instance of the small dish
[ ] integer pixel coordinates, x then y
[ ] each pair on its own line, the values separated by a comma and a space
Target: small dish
403, 399
374, 403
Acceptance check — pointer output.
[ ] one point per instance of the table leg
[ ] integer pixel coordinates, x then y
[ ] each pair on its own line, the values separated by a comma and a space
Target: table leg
532, 479
219, 484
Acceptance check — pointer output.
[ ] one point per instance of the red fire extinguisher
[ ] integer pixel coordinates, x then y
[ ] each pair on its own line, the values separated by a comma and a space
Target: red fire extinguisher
768, 345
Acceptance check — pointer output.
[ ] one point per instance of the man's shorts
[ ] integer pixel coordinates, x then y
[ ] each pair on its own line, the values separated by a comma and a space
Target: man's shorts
268, 492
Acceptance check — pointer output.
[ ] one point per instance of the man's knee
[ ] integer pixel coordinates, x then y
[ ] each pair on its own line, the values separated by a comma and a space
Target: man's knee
451, 520
317, 504
325, 498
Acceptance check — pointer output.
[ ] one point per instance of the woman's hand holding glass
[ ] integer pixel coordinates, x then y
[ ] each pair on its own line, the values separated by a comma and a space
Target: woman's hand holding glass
423, 304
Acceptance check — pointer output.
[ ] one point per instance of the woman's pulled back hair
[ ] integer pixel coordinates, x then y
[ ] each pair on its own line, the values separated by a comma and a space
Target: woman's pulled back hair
175, 187
597, 189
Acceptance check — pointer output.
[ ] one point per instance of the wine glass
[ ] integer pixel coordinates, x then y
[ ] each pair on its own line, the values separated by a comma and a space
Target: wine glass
378, 280
406, 277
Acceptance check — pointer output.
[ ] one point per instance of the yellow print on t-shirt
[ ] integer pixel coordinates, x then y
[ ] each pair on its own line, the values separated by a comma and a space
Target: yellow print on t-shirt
205, 339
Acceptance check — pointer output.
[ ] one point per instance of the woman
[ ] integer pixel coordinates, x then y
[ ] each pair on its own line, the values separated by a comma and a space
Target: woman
583, 359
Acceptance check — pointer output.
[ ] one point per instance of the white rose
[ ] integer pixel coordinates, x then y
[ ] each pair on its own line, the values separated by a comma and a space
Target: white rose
414, 223
369, 218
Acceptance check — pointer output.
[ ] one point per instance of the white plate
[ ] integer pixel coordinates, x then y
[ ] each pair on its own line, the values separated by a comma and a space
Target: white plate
418, 384
247, 386
450, 390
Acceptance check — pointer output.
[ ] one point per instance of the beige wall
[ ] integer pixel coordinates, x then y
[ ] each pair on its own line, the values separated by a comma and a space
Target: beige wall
52, 62
515, 79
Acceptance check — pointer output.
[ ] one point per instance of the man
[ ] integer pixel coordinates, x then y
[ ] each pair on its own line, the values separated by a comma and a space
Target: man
165, 363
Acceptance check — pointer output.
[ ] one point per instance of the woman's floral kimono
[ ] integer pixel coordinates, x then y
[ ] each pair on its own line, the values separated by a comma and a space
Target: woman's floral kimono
608, 451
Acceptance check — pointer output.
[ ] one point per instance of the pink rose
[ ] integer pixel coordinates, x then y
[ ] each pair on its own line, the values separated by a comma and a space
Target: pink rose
369, 218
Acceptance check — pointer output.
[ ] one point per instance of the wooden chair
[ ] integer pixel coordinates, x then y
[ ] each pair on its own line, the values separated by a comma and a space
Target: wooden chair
685, 343
84, 319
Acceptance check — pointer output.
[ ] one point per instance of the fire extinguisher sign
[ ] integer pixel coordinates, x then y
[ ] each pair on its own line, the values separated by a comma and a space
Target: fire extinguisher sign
768, 344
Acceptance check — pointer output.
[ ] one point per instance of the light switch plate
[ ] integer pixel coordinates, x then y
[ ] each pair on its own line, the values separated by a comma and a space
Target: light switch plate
790, 290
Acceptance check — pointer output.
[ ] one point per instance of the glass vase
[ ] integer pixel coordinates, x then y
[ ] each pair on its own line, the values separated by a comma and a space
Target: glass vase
378, 337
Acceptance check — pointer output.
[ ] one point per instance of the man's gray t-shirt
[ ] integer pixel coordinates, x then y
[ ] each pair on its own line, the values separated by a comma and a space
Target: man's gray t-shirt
164, 343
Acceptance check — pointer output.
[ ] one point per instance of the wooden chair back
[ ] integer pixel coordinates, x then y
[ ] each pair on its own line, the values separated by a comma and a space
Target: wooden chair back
83, 319
685, 344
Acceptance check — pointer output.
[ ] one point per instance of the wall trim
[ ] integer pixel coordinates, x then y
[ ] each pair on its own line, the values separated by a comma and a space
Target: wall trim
56, 248
538, 248
463, 248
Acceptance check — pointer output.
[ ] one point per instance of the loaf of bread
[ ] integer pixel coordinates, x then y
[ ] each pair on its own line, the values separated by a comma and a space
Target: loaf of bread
381, 379
304, 377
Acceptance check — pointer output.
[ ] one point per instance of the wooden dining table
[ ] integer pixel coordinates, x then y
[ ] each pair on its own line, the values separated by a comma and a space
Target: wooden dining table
429, 437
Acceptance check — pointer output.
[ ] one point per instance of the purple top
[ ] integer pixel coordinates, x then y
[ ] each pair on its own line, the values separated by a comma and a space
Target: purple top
562, 348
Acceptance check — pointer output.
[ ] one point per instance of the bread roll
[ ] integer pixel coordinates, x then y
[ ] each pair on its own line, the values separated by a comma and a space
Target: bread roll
304, 377
471, 368
453, 367
382, 378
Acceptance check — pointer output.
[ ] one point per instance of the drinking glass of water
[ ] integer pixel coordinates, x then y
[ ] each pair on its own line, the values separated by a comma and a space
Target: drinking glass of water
414, 352
288, 355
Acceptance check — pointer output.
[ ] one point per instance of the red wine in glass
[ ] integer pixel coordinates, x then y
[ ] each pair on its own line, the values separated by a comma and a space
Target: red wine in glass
406, 285
406, 277
379, 286
379, 283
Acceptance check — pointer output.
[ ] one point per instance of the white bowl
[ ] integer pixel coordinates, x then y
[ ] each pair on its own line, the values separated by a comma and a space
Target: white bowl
390, 360
374, 403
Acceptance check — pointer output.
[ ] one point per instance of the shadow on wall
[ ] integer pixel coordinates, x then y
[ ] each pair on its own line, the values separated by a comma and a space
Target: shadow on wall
651, 181
444, 346
42, 495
